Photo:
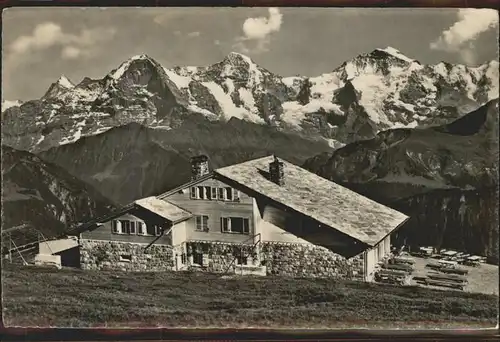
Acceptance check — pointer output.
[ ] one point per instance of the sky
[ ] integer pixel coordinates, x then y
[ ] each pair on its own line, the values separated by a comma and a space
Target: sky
41, 44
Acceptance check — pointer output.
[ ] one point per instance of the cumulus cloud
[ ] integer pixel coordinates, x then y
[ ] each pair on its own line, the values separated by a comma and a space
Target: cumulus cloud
193, 34
257, 32
461, 35
51, 35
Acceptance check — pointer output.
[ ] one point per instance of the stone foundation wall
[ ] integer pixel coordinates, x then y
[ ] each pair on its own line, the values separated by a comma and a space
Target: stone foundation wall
304, 260
105, 255
283, 259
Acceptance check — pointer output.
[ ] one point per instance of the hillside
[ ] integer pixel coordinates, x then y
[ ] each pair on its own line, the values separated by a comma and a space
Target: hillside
444, 177
44, 196
151, 161
75, 298
379, 90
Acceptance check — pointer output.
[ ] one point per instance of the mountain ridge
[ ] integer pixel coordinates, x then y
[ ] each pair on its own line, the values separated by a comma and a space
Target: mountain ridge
445, 178
44, 196
372, 92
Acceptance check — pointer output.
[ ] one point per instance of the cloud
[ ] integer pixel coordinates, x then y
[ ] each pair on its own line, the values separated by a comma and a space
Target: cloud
261, 27
461, 35
51, 35
193, 34
257, 32
71, 52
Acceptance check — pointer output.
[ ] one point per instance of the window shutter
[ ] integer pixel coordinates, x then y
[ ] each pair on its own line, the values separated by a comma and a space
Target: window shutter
114, 226
118, 227
236, 194
205, 223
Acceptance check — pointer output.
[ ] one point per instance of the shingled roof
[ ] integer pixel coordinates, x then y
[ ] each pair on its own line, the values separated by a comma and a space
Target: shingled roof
318, 198
164, 209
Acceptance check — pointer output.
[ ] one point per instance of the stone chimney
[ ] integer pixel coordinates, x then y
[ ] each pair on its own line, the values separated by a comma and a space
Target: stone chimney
277, 171
199, 166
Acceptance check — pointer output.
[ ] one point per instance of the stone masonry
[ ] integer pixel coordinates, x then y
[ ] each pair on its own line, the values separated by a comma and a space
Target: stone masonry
304, 260
282, 259
125, 256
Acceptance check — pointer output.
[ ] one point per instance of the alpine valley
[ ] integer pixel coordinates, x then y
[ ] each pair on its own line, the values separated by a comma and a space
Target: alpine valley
381, 119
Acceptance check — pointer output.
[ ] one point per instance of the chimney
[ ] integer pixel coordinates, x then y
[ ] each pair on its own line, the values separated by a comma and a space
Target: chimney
199, 166
276, 171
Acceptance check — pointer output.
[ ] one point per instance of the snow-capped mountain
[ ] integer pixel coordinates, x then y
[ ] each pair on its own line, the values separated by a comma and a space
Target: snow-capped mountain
6, 104
58, 88
372, 92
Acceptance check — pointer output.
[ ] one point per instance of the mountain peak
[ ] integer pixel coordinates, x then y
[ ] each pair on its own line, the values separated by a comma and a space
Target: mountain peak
395, 53
238, 57
116, 74
64, 82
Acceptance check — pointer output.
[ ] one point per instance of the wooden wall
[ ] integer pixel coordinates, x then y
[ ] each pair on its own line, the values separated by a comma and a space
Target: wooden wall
104, 232
214, 209
289, 226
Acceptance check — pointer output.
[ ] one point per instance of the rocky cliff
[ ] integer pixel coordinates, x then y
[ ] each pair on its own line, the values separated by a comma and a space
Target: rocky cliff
44, 196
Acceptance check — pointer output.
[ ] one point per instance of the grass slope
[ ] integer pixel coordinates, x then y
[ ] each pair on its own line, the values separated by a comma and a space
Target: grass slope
96, 299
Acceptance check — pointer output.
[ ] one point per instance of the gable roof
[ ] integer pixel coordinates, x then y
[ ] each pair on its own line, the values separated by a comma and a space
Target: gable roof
164, 209
157, 206
318, 198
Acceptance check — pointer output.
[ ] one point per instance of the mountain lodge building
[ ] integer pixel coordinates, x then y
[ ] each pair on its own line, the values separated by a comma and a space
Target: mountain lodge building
263, 216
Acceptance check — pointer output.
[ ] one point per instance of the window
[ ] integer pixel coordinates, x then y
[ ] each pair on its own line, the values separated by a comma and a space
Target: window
150, 229
194, 192
140, 228
220, 194
235, 225
198, 258
158, 230
128, 227
203, 192
126, 257
229, 194
115, 228
202, 223
125, 226
214, 193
